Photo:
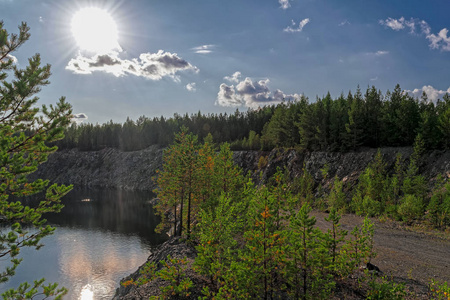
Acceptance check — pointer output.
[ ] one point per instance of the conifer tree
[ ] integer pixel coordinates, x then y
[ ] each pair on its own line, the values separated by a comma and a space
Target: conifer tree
26, 133
355, 126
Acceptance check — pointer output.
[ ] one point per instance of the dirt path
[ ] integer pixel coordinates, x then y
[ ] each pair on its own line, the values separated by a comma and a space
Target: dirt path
409, 256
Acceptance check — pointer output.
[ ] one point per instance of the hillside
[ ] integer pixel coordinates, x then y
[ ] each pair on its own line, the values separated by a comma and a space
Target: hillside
112, 168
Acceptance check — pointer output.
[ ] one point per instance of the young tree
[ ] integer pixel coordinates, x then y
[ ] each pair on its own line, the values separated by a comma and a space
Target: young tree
26, 133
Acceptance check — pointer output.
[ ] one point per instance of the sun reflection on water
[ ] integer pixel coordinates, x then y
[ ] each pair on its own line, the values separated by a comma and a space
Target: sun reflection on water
87, 293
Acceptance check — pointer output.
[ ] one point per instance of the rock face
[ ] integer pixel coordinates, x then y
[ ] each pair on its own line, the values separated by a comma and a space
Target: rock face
107, 168
347, 166
176, 248
111, 168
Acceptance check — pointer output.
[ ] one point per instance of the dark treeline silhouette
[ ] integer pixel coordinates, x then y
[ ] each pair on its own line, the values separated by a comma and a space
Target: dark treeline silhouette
346, 123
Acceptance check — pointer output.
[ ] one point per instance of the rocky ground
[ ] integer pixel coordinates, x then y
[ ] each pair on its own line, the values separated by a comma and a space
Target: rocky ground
407, 255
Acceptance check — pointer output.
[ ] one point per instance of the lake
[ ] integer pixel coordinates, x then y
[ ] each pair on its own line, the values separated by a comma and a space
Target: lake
101, 237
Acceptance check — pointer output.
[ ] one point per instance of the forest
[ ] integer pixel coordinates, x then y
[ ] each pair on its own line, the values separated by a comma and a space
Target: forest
261, 242
357, 120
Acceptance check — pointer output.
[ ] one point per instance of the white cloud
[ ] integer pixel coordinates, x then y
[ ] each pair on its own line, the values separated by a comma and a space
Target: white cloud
343, 23
394, 24
293, 28
233, 78
378, 53
204, 49
41, 19
79, 118
191, 87
227, 96
152, 66
432, 93
437, 41
440, 41
12, 57
374, 79
284, 4
250, 93
381, 52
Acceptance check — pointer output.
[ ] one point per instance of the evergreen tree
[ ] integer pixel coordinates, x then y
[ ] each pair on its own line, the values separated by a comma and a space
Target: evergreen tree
26, 132
355, 126
444, 120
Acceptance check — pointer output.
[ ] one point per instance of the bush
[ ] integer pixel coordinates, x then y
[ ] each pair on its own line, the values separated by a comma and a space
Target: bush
385, 289
439, 207
411, 208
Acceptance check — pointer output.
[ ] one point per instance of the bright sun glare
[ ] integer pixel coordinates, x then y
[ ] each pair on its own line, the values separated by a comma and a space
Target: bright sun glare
87, 293
95, 30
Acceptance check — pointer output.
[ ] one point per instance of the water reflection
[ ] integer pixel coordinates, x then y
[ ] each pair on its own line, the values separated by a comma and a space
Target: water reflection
96, 243
87, 293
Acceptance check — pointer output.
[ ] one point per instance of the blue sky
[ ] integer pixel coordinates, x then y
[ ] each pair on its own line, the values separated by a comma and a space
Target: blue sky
216, 56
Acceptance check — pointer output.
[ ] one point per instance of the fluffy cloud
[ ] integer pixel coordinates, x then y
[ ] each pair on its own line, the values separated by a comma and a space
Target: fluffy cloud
249, 93
440, 41
393, 23
293, 27
204, 49
432, 93
284, 4
191, 87
343, 23
79, 118
233, 78
152, 66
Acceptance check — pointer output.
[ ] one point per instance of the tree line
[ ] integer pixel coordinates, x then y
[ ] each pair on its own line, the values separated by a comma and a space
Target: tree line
346, 123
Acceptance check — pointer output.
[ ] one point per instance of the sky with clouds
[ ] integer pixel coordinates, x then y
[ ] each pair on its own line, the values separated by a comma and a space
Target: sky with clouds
167, 57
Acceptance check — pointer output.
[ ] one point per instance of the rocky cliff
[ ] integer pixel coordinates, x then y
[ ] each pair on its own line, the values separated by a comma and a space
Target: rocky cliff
107, 168
111, 168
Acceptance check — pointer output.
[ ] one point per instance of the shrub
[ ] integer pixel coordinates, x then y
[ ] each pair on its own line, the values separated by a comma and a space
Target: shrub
411, 208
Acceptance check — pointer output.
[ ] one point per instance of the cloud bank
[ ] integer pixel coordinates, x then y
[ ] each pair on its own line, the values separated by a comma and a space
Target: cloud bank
249, 93
432, 93
439, 41
152, 66
293, 28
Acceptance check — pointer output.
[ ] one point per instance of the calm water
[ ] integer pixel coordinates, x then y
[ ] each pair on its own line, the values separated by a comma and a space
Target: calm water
101, 236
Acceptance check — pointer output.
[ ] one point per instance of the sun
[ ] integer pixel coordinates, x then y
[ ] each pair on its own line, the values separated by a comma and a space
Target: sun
95, 30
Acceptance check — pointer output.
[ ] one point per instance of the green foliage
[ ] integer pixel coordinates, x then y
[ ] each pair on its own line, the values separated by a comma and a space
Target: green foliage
28, 291
411, 208
439, 206
192, 178
261, 246
337, 198
371, 195
367, 119
27, 133
360, 247
310, 259
385, 289
439, 290
303, 187
334, 240
172, 273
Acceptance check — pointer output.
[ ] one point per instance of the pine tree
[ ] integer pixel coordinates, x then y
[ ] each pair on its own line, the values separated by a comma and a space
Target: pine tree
355, 126
26, 133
